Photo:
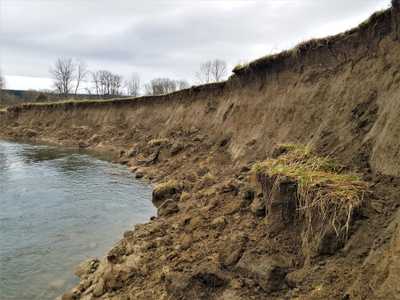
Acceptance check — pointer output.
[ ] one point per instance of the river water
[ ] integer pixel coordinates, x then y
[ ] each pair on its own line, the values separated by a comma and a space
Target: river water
58, 208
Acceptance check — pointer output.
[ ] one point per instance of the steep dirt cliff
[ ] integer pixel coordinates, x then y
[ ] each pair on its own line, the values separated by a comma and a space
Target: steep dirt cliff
212, 238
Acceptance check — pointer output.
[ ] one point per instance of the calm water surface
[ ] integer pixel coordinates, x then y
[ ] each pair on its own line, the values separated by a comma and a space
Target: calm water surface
58, 208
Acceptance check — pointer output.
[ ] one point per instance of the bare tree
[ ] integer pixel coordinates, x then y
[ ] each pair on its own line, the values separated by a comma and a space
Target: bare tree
219, 70
2, 82
63, 75
161, 86
204, 74
101, 80
96, 82
81, 74
116, 85
2, 85
107, 83
133, 85
212, 71
68, 75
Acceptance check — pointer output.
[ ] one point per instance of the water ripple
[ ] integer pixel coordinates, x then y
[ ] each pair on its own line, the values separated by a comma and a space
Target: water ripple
57, 208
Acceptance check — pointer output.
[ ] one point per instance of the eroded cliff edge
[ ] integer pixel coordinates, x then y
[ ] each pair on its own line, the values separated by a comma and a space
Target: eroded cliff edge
212, 238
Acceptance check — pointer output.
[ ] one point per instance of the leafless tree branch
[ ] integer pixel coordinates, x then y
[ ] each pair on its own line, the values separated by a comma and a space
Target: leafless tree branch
133, 85
107, 83
212, 71
63, 75
81, 74
161, 86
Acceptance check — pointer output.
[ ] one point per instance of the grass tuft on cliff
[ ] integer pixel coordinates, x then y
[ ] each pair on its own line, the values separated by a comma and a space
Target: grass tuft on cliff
308, 45
326, 196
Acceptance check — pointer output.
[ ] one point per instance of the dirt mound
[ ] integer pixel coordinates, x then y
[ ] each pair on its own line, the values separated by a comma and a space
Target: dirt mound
216, 235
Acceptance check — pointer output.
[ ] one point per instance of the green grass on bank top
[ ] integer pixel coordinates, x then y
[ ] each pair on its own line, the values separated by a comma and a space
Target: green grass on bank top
76, 101
67, 102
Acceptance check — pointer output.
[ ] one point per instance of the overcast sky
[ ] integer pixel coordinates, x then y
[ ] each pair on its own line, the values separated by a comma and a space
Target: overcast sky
160, 38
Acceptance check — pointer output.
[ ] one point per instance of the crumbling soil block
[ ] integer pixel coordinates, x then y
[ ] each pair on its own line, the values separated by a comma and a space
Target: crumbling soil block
166, 191
280, 196
268, 271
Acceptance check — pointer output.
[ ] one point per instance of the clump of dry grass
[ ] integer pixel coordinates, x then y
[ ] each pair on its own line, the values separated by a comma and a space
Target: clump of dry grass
170, 186
166, 190
158, 142
326, 196
70, 101
274, 58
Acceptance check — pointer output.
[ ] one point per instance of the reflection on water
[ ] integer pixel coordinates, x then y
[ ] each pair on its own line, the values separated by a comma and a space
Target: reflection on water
58, 208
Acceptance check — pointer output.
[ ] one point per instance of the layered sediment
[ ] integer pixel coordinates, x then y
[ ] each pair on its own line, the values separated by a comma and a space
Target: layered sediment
213, 237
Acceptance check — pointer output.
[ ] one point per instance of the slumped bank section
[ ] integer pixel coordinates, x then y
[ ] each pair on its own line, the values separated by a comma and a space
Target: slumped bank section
213, 238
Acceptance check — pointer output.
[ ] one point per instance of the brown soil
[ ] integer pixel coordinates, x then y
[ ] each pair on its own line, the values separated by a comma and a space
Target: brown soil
212, 238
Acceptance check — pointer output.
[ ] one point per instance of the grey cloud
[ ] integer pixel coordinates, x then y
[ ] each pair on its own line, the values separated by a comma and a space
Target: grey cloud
160, 38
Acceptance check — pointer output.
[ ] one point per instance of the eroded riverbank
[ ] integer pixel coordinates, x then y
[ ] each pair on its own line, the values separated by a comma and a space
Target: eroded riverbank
212, 237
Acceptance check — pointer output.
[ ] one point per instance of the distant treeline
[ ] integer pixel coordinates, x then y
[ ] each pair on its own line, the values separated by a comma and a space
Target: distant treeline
71, 77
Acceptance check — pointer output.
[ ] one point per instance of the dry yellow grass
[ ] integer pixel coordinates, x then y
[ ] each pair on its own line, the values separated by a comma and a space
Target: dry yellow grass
326, 196
158, 142
167, 185
310, 44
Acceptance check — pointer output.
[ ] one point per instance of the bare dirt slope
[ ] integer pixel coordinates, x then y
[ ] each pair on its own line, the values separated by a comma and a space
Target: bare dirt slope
212, 238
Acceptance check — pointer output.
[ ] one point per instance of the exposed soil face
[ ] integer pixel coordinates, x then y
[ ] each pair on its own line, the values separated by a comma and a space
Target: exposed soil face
213, 237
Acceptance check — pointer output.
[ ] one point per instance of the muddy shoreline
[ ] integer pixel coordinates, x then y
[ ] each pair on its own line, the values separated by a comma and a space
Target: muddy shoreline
212, 230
